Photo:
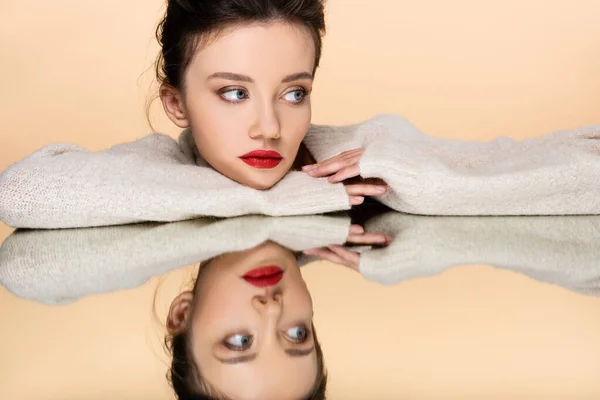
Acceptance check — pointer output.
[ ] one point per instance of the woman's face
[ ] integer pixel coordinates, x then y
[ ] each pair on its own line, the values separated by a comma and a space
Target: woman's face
252, 342
247, 90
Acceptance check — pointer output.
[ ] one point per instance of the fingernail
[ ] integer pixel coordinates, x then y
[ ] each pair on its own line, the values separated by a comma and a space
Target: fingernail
381, 188
356, 200
356, 229
309, 168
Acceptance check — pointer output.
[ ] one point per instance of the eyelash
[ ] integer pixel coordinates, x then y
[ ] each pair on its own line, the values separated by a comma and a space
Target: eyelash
305, 94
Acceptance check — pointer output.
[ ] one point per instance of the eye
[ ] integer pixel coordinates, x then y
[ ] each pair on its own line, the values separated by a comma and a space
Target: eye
234, 95
295, 96
238, 342
297, 334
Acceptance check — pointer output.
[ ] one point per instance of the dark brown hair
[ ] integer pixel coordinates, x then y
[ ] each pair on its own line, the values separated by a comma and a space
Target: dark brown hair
188, 23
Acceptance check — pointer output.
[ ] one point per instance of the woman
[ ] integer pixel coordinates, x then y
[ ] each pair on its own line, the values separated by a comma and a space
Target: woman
236, 76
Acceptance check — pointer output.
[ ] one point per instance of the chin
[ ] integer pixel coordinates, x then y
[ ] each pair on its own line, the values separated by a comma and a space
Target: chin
262, 185
264, 182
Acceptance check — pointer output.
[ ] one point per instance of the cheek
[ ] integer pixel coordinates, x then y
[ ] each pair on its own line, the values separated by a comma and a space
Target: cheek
301, 300
213, 122
295, 123
224, 309
221, 295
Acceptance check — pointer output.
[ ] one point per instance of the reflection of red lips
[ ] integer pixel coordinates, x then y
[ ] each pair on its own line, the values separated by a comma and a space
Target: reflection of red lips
264, 276
264, 159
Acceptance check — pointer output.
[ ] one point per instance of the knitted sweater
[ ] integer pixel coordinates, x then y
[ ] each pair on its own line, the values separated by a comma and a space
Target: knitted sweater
558, 250
61, 266
159, 179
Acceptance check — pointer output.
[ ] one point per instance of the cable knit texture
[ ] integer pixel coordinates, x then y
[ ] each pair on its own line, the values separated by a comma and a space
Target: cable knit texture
159, 179
61, 266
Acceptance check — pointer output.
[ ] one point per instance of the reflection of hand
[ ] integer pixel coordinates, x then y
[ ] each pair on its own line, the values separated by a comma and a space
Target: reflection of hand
345, 256
358, 235
79, 262
343, 168
338, 255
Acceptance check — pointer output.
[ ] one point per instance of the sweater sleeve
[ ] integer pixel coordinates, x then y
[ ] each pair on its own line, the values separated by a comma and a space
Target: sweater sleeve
555, 174
557, 250
61, 266
151, 179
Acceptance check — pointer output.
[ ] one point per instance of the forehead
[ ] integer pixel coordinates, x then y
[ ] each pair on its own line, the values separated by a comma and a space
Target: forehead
258, 47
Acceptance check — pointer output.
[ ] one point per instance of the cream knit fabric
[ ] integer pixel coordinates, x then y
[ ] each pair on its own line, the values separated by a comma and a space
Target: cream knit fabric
558, 250
60, 266
556, 174
159, 179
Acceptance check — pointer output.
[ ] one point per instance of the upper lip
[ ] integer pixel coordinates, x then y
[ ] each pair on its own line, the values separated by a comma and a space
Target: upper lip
262, 154
264, 277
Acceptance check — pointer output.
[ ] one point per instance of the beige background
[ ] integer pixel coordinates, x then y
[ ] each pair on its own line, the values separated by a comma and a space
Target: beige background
80, 72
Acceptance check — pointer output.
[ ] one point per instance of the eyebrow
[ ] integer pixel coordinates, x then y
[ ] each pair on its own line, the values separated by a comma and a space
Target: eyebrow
251, 357
243, 78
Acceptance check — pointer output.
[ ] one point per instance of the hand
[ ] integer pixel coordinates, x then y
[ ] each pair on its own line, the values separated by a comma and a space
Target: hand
344, 167
342, 255
358, 235
338, 255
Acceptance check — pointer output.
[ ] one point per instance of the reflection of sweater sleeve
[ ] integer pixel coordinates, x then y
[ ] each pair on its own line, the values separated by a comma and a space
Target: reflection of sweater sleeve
151, 179
560, 250
60, 266
556, 174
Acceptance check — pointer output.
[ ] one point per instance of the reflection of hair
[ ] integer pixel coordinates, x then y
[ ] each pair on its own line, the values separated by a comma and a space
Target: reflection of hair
186, 378
188, 22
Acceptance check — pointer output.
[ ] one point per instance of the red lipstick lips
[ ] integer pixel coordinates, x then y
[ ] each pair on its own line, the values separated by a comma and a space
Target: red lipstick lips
264, 276
263, 159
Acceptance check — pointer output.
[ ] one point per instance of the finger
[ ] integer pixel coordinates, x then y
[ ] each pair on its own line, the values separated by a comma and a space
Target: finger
327, 254
345, 253
368, 238
317, 252
342, 156
347, 153
361, 189
356, 200
351, 258
345, 173
356, 229
333, 165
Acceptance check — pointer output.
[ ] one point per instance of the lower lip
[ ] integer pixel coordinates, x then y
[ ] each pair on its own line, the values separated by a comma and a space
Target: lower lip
262, 163
264, 276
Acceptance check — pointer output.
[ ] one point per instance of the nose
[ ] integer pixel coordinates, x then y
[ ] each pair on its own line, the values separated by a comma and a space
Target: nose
267, 124
268, 304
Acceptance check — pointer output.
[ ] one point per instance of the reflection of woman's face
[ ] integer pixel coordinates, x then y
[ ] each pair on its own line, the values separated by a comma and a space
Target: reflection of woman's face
251, 342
